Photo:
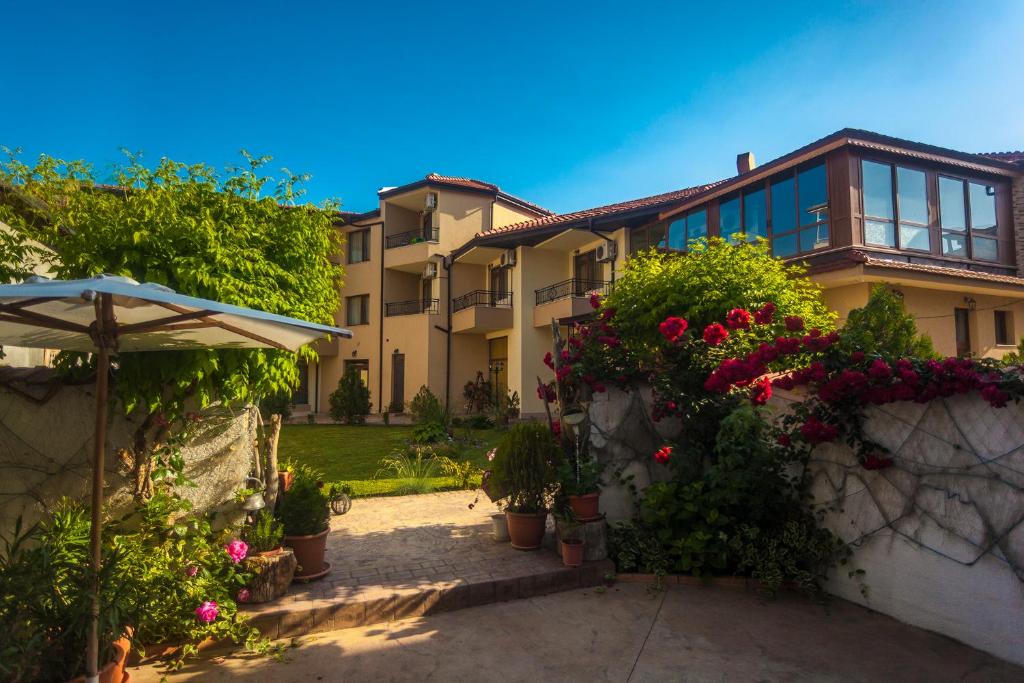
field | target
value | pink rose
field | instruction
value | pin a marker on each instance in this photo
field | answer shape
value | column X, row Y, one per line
column 192, row 571
column 207, row 611
column 243, row 595
column 237, row 550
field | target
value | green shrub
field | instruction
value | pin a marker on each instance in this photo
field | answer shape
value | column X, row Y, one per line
column 305, row 508
column 264, row 534
column 524, row 470
column 704, row 284
column 416, row 466
column 883, row 327
column 428, row 433
column 426, row 408
column 350, row 402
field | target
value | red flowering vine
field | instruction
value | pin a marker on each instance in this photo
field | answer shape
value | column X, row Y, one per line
column 715, row 334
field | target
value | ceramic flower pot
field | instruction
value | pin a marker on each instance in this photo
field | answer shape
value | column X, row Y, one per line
column 526, row 529
column 585, row 507
column 499, row 527
column 572, row 552
column 113, row 671
column 309, row 553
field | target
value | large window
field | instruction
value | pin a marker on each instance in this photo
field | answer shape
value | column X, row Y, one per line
column 799, row 212
column 648, row 237
column 746, row 213
column 895, row 197
column 357, row 309
column 683, row 232
column 359, row 246
column 967, row 215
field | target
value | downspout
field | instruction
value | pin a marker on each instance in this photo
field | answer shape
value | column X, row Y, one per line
column 448, row 265
column 590, row 227
column 380, row 331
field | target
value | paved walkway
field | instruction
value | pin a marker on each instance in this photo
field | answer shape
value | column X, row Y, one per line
column 625, row 634
column 402, row 556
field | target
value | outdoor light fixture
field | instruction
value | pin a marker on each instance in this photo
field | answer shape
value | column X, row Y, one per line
column 971, row 303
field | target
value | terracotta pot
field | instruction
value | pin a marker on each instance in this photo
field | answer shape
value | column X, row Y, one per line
column 572, row 552
column 285, row 479
column 499, row 527
column 309, row 552
column 585, row 507
column 113, row 672
column 526, row 529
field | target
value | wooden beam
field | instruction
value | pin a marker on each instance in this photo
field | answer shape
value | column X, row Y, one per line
column 158, row 323
column 229, row 327
column 32, row 318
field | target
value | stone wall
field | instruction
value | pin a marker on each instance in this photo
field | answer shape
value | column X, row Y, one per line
column 46, row 449
column 940, row 534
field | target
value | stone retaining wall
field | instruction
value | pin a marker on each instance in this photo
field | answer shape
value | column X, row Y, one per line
column 940, row 534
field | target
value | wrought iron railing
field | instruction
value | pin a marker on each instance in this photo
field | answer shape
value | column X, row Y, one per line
column 572, row 287
column 411, row 237
column 482, row 297
column 412, row 307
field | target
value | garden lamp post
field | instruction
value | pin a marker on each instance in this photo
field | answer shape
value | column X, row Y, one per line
column 106, row 315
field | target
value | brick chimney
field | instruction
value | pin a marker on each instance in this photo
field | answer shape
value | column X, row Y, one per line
column 745, row 162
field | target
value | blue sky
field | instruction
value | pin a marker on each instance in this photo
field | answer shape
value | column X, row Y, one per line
column 567, row 104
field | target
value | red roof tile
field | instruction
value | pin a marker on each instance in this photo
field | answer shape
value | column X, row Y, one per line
column 876, row 262
column 607, row 210
column 1015, row 157
column 469, row 184
column 464, row 182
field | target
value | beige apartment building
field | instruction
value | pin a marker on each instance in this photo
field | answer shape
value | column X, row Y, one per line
column 450, row 277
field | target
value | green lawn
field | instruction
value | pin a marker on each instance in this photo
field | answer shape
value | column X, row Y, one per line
column 351, row 455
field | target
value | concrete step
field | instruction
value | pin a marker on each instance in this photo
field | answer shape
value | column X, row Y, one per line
column 347, row 608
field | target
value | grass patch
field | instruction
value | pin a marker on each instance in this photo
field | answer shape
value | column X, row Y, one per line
column 351, row 454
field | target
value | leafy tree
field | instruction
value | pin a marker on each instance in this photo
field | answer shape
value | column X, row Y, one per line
column 350, row 402
column 707, row 282
column 218, row 235
column 883, row 327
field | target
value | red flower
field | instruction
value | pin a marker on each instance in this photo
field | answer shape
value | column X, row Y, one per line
column 663, row 455
column 765, row 315
column 787, row 345
column 609, row 341
column 738, row 319
column 794, row 323
column 879, row 369
column 876, row 462
column 545, row 391
column 672, row 328
column 595, row 300
column 857, row 357
column 760, row 392
column 816, row 431
column 607, row 314
column 549, row 360
column 563, row 372
column 783, row 440
column 715, row 334
column 556, row 428
column 995, row 396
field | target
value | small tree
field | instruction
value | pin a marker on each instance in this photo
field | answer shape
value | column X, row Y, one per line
column 883, row 327
column 350, row 402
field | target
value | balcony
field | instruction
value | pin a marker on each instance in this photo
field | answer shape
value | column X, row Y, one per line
column 412, row 307
column 566, row 300
column 482, row 310
column 403, row 239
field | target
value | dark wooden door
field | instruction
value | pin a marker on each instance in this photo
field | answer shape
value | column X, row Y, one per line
column 585, row 272
column 961, row 319
column 397, row 382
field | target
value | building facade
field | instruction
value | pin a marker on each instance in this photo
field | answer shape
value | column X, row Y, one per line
column 451, row 277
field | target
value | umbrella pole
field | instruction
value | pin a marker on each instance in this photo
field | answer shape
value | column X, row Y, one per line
column 103, row 336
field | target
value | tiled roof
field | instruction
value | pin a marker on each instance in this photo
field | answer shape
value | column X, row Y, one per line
column 607, row 210
column 469, row 184
column 464, row 182
column 877, row 262
column 1015, row 157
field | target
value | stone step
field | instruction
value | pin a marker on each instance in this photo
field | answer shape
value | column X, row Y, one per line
column 291, row 617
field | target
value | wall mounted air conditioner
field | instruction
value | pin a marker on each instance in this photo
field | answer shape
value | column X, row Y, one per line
column 607, row 251
column 430, row 202
column 430, row 270
column 508, row 258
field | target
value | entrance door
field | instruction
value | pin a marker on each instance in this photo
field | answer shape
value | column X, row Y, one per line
column 961, row 320
column 585, row 270
column 497, row 365
column 397, row 382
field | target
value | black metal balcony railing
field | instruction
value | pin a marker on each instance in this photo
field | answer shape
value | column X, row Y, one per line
column 412, row 307
column 482, row 297
column 573, row 287
column 411, row 237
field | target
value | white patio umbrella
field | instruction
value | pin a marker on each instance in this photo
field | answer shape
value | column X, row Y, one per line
column 108, row 314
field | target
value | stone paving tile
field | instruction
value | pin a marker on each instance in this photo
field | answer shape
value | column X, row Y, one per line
column 399, row 557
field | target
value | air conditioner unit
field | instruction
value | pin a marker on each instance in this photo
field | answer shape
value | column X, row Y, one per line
column 430, row 203
column 508, row 258
column 430, row 270
column 607, row 251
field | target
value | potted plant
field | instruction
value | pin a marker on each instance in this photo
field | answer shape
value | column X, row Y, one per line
column 582, row 486
column 273, row 566
column 285, row 477
column 523, row 470
column 568, row 528
column 305, row 513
